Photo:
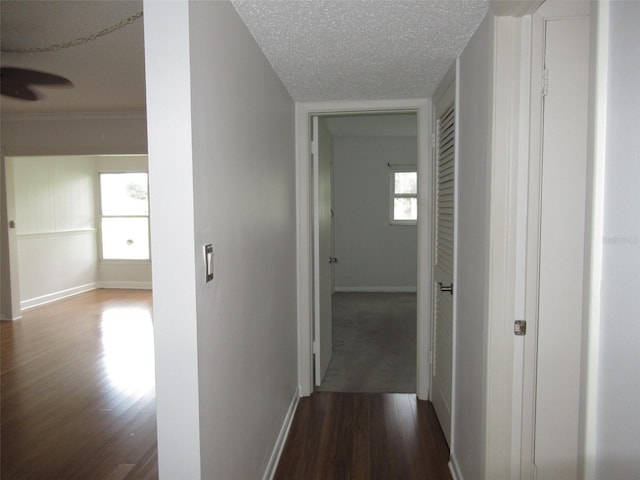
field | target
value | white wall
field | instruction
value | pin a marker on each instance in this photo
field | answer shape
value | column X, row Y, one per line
column 55, row 226
column 372, row 254
column 618, row 424
column 474, row 116
column 168, row 80
column 244, row 204
column 74, row 134
column 221, row 158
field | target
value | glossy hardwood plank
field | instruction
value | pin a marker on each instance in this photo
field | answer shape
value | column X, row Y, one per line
column 78, row 395
column 364, row 436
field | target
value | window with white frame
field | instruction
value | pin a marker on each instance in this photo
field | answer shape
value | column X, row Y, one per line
column 124, row 216
column 403, row 207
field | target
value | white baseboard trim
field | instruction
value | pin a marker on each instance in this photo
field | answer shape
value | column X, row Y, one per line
column 454, row 468
column 270, row 471
column 126, row 285
column 52, row 297
column 5, row 318
column 377, row 289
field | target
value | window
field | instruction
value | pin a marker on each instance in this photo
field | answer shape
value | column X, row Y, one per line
column 124, row 216
column 404, row 197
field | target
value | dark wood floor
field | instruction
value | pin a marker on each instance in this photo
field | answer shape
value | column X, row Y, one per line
column 77, row 401
column 78, row 394
column 364, row 436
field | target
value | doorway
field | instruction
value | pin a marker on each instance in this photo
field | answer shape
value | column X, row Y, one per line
column 365, row 241
column 304, row 113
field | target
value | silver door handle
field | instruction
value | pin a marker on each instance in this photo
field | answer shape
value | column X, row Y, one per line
column 446, row 288
column 333, row 260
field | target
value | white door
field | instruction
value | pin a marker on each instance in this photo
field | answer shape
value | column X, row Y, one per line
column 442, row 332
column 557, row 209
column 321, row 150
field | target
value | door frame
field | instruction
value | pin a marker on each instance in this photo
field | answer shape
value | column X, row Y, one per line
column 12, row 291
column 304, row 227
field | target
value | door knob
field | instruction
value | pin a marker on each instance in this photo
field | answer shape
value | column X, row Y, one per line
column 333, row 260
column 446, row 288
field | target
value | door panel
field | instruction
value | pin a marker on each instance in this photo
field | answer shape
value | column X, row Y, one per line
column 442, row 333
column 323, row 246
column 563, row 189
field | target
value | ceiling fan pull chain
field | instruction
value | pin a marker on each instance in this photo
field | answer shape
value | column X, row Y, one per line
column 77, row 41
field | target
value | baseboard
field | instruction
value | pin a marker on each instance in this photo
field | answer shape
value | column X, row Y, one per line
column 5, row 318
column 52, row 297
column 126, row 285
column 454, row 468
column 377, row 289
column 270, row 471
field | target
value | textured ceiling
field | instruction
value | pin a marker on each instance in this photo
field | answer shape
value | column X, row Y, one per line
column 355, row 50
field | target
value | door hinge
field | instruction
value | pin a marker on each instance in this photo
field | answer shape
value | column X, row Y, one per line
column 520, row 327
column 430, row 357
column 316, row 350
column 545, row 82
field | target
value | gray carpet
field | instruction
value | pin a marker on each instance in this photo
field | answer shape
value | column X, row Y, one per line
column 374, row 343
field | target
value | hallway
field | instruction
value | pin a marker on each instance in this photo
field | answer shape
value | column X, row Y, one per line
column 364, row 436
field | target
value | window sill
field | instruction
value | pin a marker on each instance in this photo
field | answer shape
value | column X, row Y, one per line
column 124, row 262
column 405, row 223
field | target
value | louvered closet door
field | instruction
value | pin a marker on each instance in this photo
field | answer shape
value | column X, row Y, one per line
column 442, row 335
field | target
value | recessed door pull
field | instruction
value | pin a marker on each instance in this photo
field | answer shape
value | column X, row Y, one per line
column 446, row 288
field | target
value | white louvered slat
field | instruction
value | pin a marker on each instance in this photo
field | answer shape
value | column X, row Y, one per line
column 445, row 190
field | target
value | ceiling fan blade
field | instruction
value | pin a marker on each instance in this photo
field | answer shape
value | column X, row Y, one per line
column 15, row 82
column 21, row 92
column 32, row 77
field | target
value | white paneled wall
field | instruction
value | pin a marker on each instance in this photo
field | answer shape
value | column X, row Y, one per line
column 54, row 194
column 56, row 265
column 55, row 225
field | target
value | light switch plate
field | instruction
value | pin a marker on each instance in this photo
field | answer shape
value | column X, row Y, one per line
column 208, row 262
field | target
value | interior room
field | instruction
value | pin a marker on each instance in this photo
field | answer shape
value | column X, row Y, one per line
column 527, row 238
column 374, row 275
